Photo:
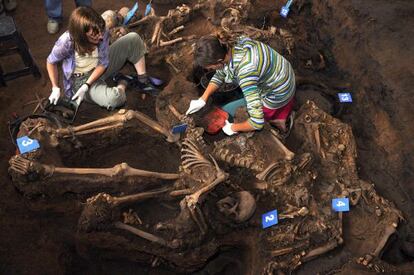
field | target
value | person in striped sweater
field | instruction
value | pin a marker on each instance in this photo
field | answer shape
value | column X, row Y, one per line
column 266, row 78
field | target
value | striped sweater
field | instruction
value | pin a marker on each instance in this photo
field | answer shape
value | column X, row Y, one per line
column 265, row 77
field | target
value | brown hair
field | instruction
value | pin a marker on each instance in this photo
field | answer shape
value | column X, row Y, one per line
column 209, row 50
column 82, row 20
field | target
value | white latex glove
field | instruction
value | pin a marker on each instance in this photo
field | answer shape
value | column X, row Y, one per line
column 80, row 94
column 195, row 106
column 54, row 96
column 227, row 129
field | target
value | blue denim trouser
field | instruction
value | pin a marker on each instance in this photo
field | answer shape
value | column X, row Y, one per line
column 54, row 7
column 232, row 106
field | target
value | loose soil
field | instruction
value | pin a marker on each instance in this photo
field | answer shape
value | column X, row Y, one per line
column 367, row 50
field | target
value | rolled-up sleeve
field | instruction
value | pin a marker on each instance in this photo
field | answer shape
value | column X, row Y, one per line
column 103, row 51
column 61, row 49
column 218, row 78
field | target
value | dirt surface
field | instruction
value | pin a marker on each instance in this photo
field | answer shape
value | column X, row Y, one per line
column 367, row 50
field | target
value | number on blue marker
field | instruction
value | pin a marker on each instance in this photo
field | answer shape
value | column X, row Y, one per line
column 27, row 144
column 180, row 128
column 269, row 219
column 284, row 11
column 340, row 204
column 345, row 97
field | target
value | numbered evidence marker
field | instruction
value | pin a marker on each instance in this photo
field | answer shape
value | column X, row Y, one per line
column 345, row 97
column 27, row 144
column 131, row 13
column 148, row 8
column 284, row 11
column 340, row 204
column 269, row 219
column 180, row 128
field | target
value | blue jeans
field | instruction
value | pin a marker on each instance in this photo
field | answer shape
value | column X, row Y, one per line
column 232, row 106
column 54, row 7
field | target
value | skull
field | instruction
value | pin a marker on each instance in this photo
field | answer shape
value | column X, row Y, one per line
column 238, row 207
column 110, row 18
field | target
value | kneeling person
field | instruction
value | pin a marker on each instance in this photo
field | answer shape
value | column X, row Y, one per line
column 265, row 77
column 87, row 60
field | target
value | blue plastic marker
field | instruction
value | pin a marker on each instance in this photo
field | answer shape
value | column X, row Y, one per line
column 26, row 144
column 180, row 128
column 284, row 11
column 340, row 204
column 131, row 13
column 269, row 219
column 156, row 81
column 345, row 97
column 148, row 8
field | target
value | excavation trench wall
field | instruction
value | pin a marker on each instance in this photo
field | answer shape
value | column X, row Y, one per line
column 370, row 42
column 370, row 46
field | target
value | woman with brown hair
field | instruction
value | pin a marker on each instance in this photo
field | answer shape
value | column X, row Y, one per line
column 87, row 60
column 265, row 77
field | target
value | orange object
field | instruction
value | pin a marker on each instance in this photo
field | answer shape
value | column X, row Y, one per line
column 215, row 120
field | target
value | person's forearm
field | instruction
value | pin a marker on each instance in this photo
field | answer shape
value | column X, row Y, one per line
column 52, row 71
column 97, row 73
column 211, row 88
column 242, row 127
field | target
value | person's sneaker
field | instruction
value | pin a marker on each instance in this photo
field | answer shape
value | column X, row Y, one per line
column 52, row 26
column 134, row 81
column 124, row 77
column 148, row 87
column 10, row 5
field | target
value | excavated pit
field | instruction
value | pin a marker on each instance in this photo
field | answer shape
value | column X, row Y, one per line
column 343, row 33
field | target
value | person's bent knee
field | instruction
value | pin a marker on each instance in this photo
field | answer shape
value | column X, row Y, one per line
column 135, row 37
column 116, row 98
column 136, row 47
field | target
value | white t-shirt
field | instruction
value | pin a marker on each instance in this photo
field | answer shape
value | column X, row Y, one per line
column 86, row 62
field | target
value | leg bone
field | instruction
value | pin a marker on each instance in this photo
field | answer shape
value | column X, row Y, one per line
column 321, row 250
column 146, row 235
column 198, row 218
column 389, row 230
column 118, row 120
column 293, row 212
column 139, row 197
column 24, row 167
column 289, row 155
column 171, row 42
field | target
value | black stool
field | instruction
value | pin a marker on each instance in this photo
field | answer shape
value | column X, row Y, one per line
column 10, row 35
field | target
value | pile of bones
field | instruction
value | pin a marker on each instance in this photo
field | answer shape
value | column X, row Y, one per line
column 220, row 189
